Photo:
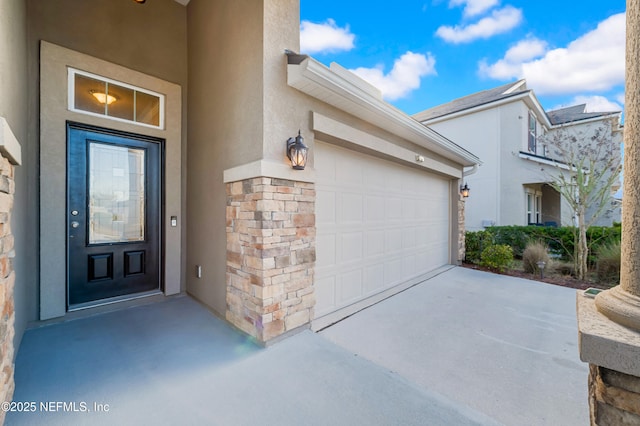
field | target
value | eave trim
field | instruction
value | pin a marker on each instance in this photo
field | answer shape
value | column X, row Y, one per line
column 316, row 80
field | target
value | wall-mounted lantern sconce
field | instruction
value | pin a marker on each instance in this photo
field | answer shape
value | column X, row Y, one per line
column 297, row 152
column 464, row 191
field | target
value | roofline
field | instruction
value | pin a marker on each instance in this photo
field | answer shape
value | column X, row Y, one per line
column 528, row 95
column 338, row 87
column 593, row 119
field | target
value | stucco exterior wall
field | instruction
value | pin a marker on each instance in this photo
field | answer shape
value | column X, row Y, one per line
column 479, row 133
column 226, row 106
column 13, row 107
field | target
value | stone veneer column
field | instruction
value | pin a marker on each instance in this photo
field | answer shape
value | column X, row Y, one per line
column 609, row 327
column 461, row 231
column 270, row 256
column 7, row 281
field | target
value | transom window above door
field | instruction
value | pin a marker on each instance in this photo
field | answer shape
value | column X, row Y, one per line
column 96, row 95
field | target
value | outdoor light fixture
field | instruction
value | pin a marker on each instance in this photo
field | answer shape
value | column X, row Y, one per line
column 297, row 152
column 464, row 191
column 541, row 264
column 103, row 98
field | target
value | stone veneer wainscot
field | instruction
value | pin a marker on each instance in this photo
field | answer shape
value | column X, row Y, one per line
column 270, row 256
column 7, row 281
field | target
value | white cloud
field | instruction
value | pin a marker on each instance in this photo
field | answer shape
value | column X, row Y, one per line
column 500, row 21
column 620, row 98
column 403, row 78
column 594, row 62
column 511, row 65
column 324, row 37
column 474, row 7
column 597, row 103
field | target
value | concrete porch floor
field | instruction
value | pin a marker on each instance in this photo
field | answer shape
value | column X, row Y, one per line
column 463, row 348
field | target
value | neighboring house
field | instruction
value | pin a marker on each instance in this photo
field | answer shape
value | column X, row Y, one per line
column 144, row 155
column 594, row 127
column 507, row 127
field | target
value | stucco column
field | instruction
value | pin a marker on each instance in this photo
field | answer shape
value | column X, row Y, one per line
column 622, row 303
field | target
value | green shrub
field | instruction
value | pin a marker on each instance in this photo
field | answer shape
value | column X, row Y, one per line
column 559, row 240
column 475, row 242
column 599, row 236
column 536, row 251
column 498, row 257
column 516, row 237
column 608, row 263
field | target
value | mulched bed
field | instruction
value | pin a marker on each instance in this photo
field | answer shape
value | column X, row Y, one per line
column 565, row 281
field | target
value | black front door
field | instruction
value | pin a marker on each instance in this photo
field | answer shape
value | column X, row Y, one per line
column 113, row 214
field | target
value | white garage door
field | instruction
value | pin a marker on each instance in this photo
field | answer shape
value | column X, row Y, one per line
column 380, row 225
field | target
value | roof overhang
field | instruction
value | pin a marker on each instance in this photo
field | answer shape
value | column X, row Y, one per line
column 345, row 91
column 547, row 161
column 528, row 97
column 610, row 116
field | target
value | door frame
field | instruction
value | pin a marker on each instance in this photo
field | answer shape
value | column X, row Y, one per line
column 161, row 207
column 54, row 113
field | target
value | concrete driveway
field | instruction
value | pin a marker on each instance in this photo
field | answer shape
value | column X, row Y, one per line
column 464, row 348
column 504, row 346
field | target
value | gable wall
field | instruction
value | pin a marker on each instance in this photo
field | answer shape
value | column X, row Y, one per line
column 479, row 133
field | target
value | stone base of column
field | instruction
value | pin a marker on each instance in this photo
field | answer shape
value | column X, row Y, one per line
column 614, row 397
column 613, row 353
column 270, row 256
column 620, row 306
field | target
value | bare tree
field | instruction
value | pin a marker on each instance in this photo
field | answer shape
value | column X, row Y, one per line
column 588, row 166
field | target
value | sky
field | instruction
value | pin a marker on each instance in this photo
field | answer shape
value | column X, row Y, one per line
column 423, row 53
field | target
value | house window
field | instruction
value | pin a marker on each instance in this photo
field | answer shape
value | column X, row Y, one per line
column 532, row 133
column 95, row 95
column 534, row 206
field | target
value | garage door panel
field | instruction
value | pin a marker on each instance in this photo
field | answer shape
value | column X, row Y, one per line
column 393, row 272
column 352, row 208
column 385, row 224
column 325, row 292
column 350, row 247
column 374, row 243
column 325, row 251
column 374, row 278
column 409, row 238
column 393, row 209
column 393, row 241
column 375, row 211
column 325, row 207
column 350, row 286
column 349, row 171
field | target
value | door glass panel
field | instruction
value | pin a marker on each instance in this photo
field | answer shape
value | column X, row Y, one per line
column 116, row 194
